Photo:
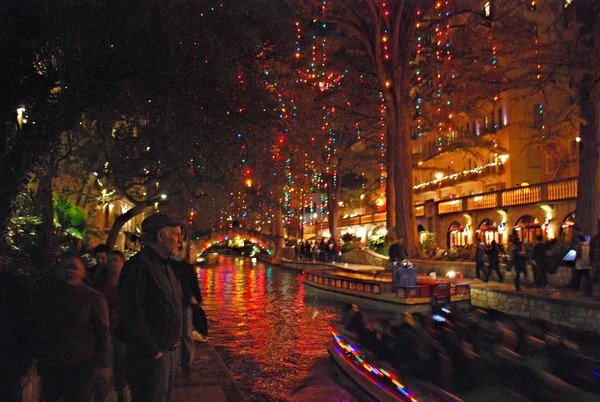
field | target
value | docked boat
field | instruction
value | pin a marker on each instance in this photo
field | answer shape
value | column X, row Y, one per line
column 377, row 379
column 377, row 286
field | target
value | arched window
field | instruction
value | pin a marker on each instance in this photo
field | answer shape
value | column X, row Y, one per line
column 457, row 236
column 488, row 231
column 527, row 229
column 567, row 227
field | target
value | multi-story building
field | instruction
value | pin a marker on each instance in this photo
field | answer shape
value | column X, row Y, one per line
column 510, row 168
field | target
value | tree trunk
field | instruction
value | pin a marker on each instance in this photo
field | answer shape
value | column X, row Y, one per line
column 334, row 211
column 277, row 226
column 44, row 207
column 587, row 207
column 390, row 182
column 406, row 225
column 333, row 195
column 400, row 207
column 121, row 220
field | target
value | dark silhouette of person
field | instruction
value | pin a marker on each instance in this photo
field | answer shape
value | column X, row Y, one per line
column 519, row 258
column 481, row 259
column 355, row 321
column 15, row 333
column 107, row 283
column 100, row 258
column 191, row 300
column 494, row 262
column 73, row 335
column 397, row 251
column 539, row 254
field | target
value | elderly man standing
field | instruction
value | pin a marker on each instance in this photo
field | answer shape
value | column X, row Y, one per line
column 150, row 310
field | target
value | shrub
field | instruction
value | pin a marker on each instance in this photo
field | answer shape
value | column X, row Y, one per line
column 348, row 242
column 429, row 245
column 377, row 244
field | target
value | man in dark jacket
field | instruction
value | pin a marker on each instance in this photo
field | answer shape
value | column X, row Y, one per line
column 397, row 251
column 150, row 310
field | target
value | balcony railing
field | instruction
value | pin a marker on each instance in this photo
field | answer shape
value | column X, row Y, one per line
column 552, row 191
column 542, row 192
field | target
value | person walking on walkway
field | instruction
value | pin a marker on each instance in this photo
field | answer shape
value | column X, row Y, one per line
column 481, row 259
column 150, row 311
column 539, row 255
column 191, row 299
column 583, row 265
column 519, row 259
column 73, row 335
column 494, row 262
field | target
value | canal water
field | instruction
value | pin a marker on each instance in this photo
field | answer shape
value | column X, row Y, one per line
column 270, row 333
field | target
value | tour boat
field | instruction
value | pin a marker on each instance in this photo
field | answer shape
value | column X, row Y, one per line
column 377, row 379
column 377, row 286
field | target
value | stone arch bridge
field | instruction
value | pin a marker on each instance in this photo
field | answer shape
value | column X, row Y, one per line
column 269, row 243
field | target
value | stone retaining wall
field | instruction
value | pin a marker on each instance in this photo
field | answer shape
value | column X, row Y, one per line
column 577, row 315
column 365, row 257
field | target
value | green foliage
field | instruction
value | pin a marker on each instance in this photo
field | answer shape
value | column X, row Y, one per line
column 429, row 245
column 349, row 242
column 70, row 222
column 466, row 253
column 377, row 244
column 22, row 230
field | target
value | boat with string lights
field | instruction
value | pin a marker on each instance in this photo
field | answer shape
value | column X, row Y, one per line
column 377, row 287
column 377, row 379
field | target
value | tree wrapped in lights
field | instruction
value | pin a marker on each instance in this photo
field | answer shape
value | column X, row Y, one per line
column 385, row 33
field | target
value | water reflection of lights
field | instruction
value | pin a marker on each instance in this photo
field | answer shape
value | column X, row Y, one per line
column 259, row 321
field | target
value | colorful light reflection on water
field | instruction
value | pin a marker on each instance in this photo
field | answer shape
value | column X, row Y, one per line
column 270, row 336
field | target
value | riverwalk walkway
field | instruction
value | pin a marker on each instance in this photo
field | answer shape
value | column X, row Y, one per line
column 210, row 379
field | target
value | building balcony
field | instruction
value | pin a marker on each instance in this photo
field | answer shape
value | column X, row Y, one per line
column 532, row 194
column 524, row 195
column 461, row 178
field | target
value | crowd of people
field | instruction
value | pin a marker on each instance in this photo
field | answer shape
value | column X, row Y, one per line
column 540, row 259
column 323, row 251
column 470, row 352
column 115, row 324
